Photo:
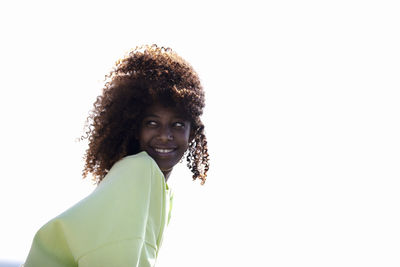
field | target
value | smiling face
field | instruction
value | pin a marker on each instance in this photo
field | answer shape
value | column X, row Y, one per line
column 164, row 134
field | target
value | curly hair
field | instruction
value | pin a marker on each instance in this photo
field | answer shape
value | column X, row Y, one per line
column 144, row 76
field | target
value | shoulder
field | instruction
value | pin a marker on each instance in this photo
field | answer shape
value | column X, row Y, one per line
column 129, row 181
column 138, row 161
column 138, row 166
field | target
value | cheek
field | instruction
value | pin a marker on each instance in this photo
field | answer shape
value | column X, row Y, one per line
column 186, row 140
column 143, row 138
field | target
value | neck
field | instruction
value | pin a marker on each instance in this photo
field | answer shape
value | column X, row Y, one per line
column 166, row 174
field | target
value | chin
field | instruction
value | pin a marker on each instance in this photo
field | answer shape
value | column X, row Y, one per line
column 165, row 168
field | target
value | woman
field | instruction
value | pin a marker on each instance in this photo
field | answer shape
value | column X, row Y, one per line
column 147, row 118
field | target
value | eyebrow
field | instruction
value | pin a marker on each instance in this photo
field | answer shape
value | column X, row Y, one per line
column 175, row 117
column 150, row 115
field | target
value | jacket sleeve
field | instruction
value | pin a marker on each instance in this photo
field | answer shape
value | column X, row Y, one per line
column 133, row 222
column 117, row 225
column 130, row 252
column 50, row 248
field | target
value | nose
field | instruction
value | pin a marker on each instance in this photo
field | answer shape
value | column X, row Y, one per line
column 165, row 134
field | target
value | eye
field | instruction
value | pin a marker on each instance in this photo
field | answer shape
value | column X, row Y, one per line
column 179, row 124
column 151, row 123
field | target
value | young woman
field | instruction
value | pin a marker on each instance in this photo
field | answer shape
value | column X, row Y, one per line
column 142, row 125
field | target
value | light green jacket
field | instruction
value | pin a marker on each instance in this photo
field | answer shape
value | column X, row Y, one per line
column 120, row 224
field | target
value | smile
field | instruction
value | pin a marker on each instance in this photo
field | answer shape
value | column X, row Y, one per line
column 164, row 150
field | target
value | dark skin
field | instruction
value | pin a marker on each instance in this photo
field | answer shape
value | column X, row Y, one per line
column 165, row 135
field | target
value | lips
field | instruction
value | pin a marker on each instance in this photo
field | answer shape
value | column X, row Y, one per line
column 164, row 151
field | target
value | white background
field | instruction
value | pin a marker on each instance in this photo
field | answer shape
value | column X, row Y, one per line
column 302, row 118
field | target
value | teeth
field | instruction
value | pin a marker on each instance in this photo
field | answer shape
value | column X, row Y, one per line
column 162, row 150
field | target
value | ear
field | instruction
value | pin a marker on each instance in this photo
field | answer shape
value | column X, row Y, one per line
column 192, row 134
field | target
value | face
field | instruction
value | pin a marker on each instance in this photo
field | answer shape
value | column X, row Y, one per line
column 164, row 135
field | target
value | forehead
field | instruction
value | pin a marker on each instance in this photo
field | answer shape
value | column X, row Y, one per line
column 159, row 110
